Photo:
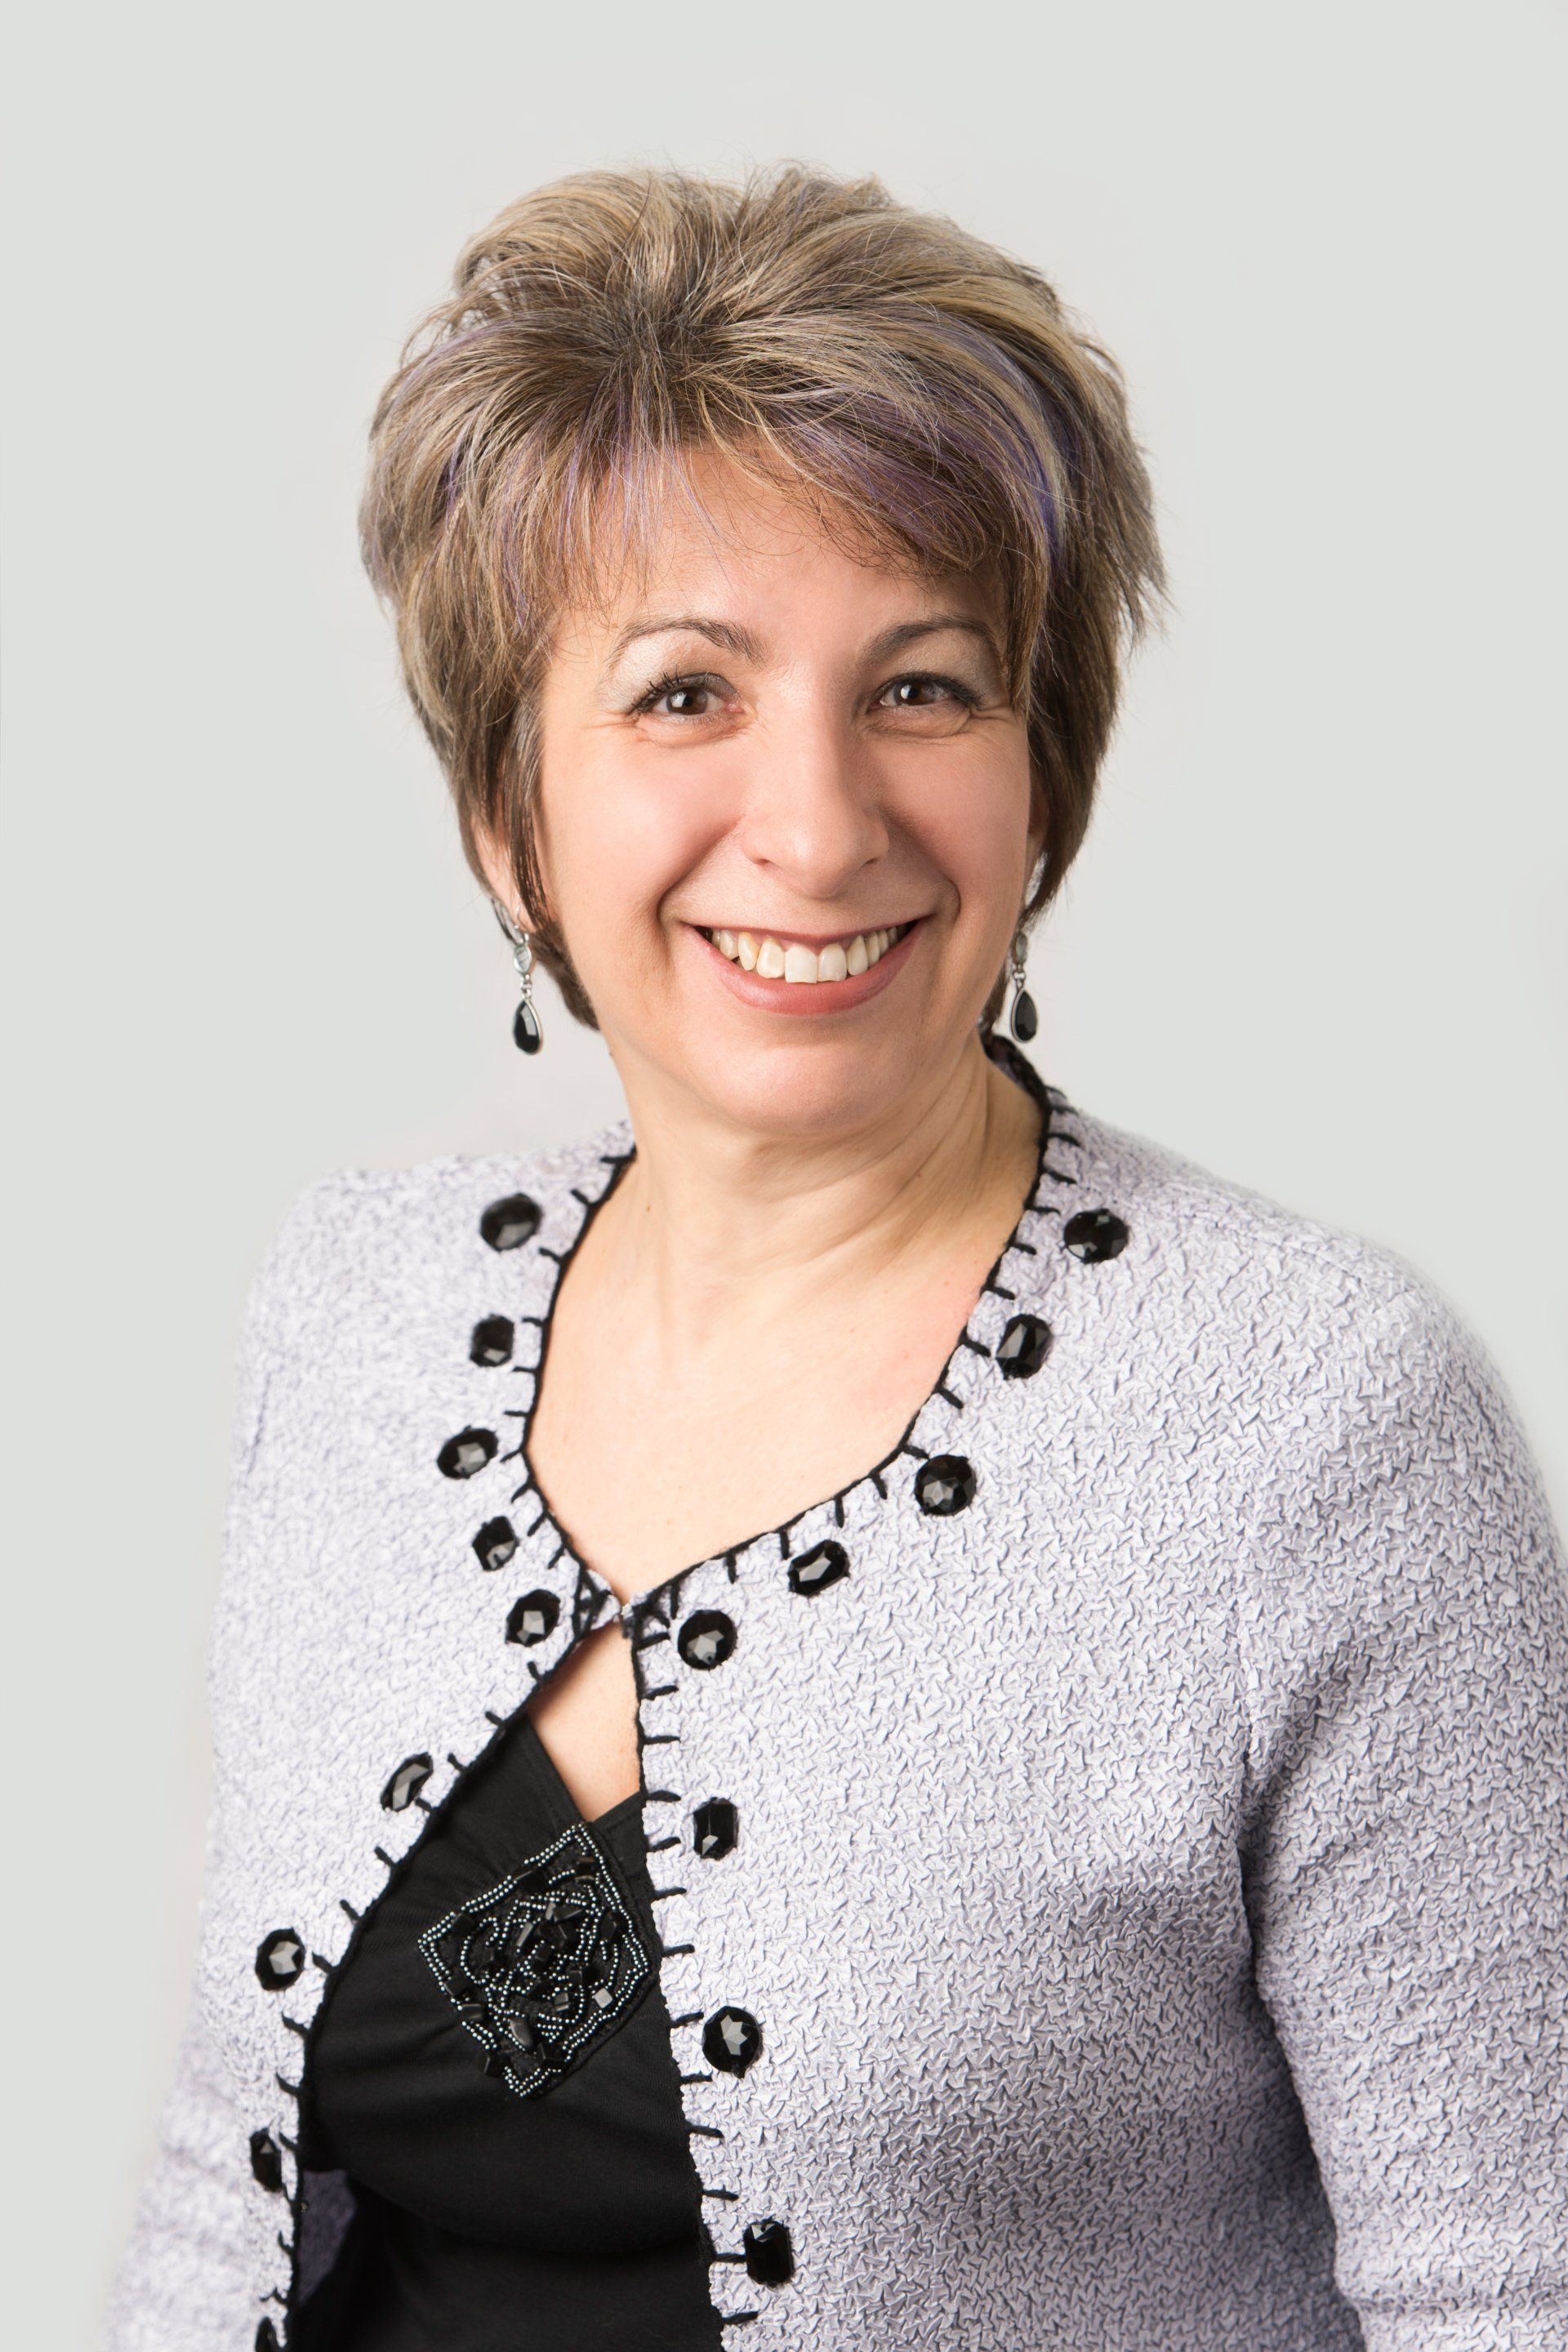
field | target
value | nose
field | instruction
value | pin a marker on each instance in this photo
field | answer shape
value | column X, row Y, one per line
column 813, row 813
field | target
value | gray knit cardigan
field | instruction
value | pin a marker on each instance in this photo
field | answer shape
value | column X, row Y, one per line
column 1150, row 1898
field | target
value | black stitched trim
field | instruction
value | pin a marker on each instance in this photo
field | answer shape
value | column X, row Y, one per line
column 1052, row 1103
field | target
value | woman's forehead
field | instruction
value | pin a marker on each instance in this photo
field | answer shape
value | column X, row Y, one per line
column 699, row 532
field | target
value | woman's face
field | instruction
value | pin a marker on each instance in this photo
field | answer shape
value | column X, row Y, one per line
column 784, row 818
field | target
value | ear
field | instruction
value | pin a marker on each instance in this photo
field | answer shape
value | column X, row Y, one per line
column 1037, row 827
column 499, row 877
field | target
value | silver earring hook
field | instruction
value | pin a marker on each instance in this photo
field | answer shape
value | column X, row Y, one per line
column 527, row 1035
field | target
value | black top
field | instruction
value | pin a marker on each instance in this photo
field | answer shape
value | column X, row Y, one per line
column 492, row 2067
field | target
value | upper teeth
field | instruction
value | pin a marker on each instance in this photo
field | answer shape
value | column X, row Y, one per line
column 759, row 951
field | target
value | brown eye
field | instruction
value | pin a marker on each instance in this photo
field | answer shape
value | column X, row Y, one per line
column 923, row 691
column 683, row 697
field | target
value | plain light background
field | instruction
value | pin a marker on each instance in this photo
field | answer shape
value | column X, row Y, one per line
column 1315, row 941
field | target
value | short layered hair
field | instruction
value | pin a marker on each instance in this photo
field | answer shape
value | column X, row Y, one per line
column 928, row 396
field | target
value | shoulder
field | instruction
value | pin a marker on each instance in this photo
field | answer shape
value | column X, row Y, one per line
column 1214, row 1250
column 363, row 1249
column 1280, row 1328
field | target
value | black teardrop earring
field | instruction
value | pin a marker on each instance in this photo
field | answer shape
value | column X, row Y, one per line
column 526, row 1034
column 1025, row 1020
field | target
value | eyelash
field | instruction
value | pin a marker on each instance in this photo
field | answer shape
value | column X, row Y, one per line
column 678, row 680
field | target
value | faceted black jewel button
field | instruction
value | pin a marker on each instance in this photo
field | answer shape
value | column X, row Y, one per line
column 533, row 1618
column 506, row 1224
column 819, row 1568
column 944, row 1485
column 707, row 1638
column 731, row 2040
column 492, row 1343
column 1095, row 1234
column 770, row 2256
column 714, row 1829
column 266, row 2160
column 280, row 1957
column 267, row 2337
column 407, row 1782
column 1023, row 1347
column 495, row 1543
column 467, row 1451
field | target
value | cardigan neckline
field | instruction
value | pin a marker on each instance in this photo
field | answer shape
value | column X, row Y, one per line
column 601, row 1604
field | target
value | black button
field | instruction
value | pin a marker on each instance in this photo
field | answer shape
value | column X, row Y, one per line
column 944, row 1485
column 492, row 1343
column 714, row 1829
column 267, row 2337
column 1023, row 1347
column 267, row 2159
column 1095, row 1234
column 770, row 2256
column 707, row 1638
column 495, row 1543
column 533, row 1618
column 407, row 1782
column 506, row 1224
column 731, row 2040
column 462, row 1455
column 819, row 1568
column 280, row 1957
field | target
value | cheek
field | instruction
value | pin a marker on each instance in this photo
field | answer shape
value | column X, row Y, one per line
column 976, row 833
column 615, row 845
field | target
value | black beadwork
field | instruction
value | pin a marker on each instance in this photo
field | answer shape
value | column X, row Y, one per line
column 815, row 1570
column 944, row 1485
column 1095, row 1234
column 770, row 2254
column 407, row 1782
column 731, row 2040
column 507, row 1223
column 1023, row 1347
column 280, row 1959
column 533, row 1618
column 714, row 1829
column 496, row 1543
column 537, row 1966
column 492, row 1339
column 267, row 2159
column 706, row 1638
column 463, row 1455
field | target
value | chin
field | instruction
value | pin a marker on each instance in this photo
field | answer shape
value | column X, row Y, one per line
column 812, row 1087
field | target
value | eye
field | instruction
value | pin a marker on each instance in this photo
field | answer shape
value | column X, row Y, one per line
column 919, row 683
column 687, row 693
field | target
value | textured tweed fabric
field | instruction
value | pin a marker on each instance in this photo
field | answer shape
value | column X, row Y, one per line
column 1150, row 1892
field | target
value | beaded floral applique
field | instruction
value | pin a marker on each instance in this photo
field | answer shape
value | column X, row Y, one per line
column 538, row 1966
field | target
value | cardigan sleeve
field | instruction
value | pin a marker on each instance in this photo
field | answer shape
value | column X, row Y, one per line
column 1404, row 1625
column 183, row 2282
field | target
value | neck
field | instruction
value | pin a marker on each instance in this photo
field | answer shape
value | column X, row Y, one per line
column 718, row 1228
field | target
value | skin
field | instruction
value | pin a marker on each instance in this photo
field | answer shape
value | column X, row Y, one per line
column 823, row 1175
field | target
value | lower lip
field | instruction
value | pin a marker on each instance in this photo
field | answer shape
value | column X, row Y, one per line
column 809, row 996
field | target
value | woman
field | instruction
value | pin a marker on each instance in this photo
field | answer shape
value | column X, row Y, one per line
column 864, row 1706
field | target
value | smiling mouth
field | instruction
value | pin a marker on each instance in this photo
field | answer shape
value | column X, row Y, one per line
column 783, row 958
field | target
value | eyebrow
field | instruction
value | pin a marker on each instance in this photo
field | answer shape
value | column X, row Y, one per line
column 735, row 639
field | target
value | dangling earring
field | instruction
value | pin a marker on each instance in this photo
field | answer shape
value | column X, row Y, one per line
column 1025, row 1020
column 526, row 1034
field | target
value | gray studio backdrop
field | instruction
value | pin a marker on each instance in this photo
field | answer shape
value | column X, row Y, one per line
column 1315, row 941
